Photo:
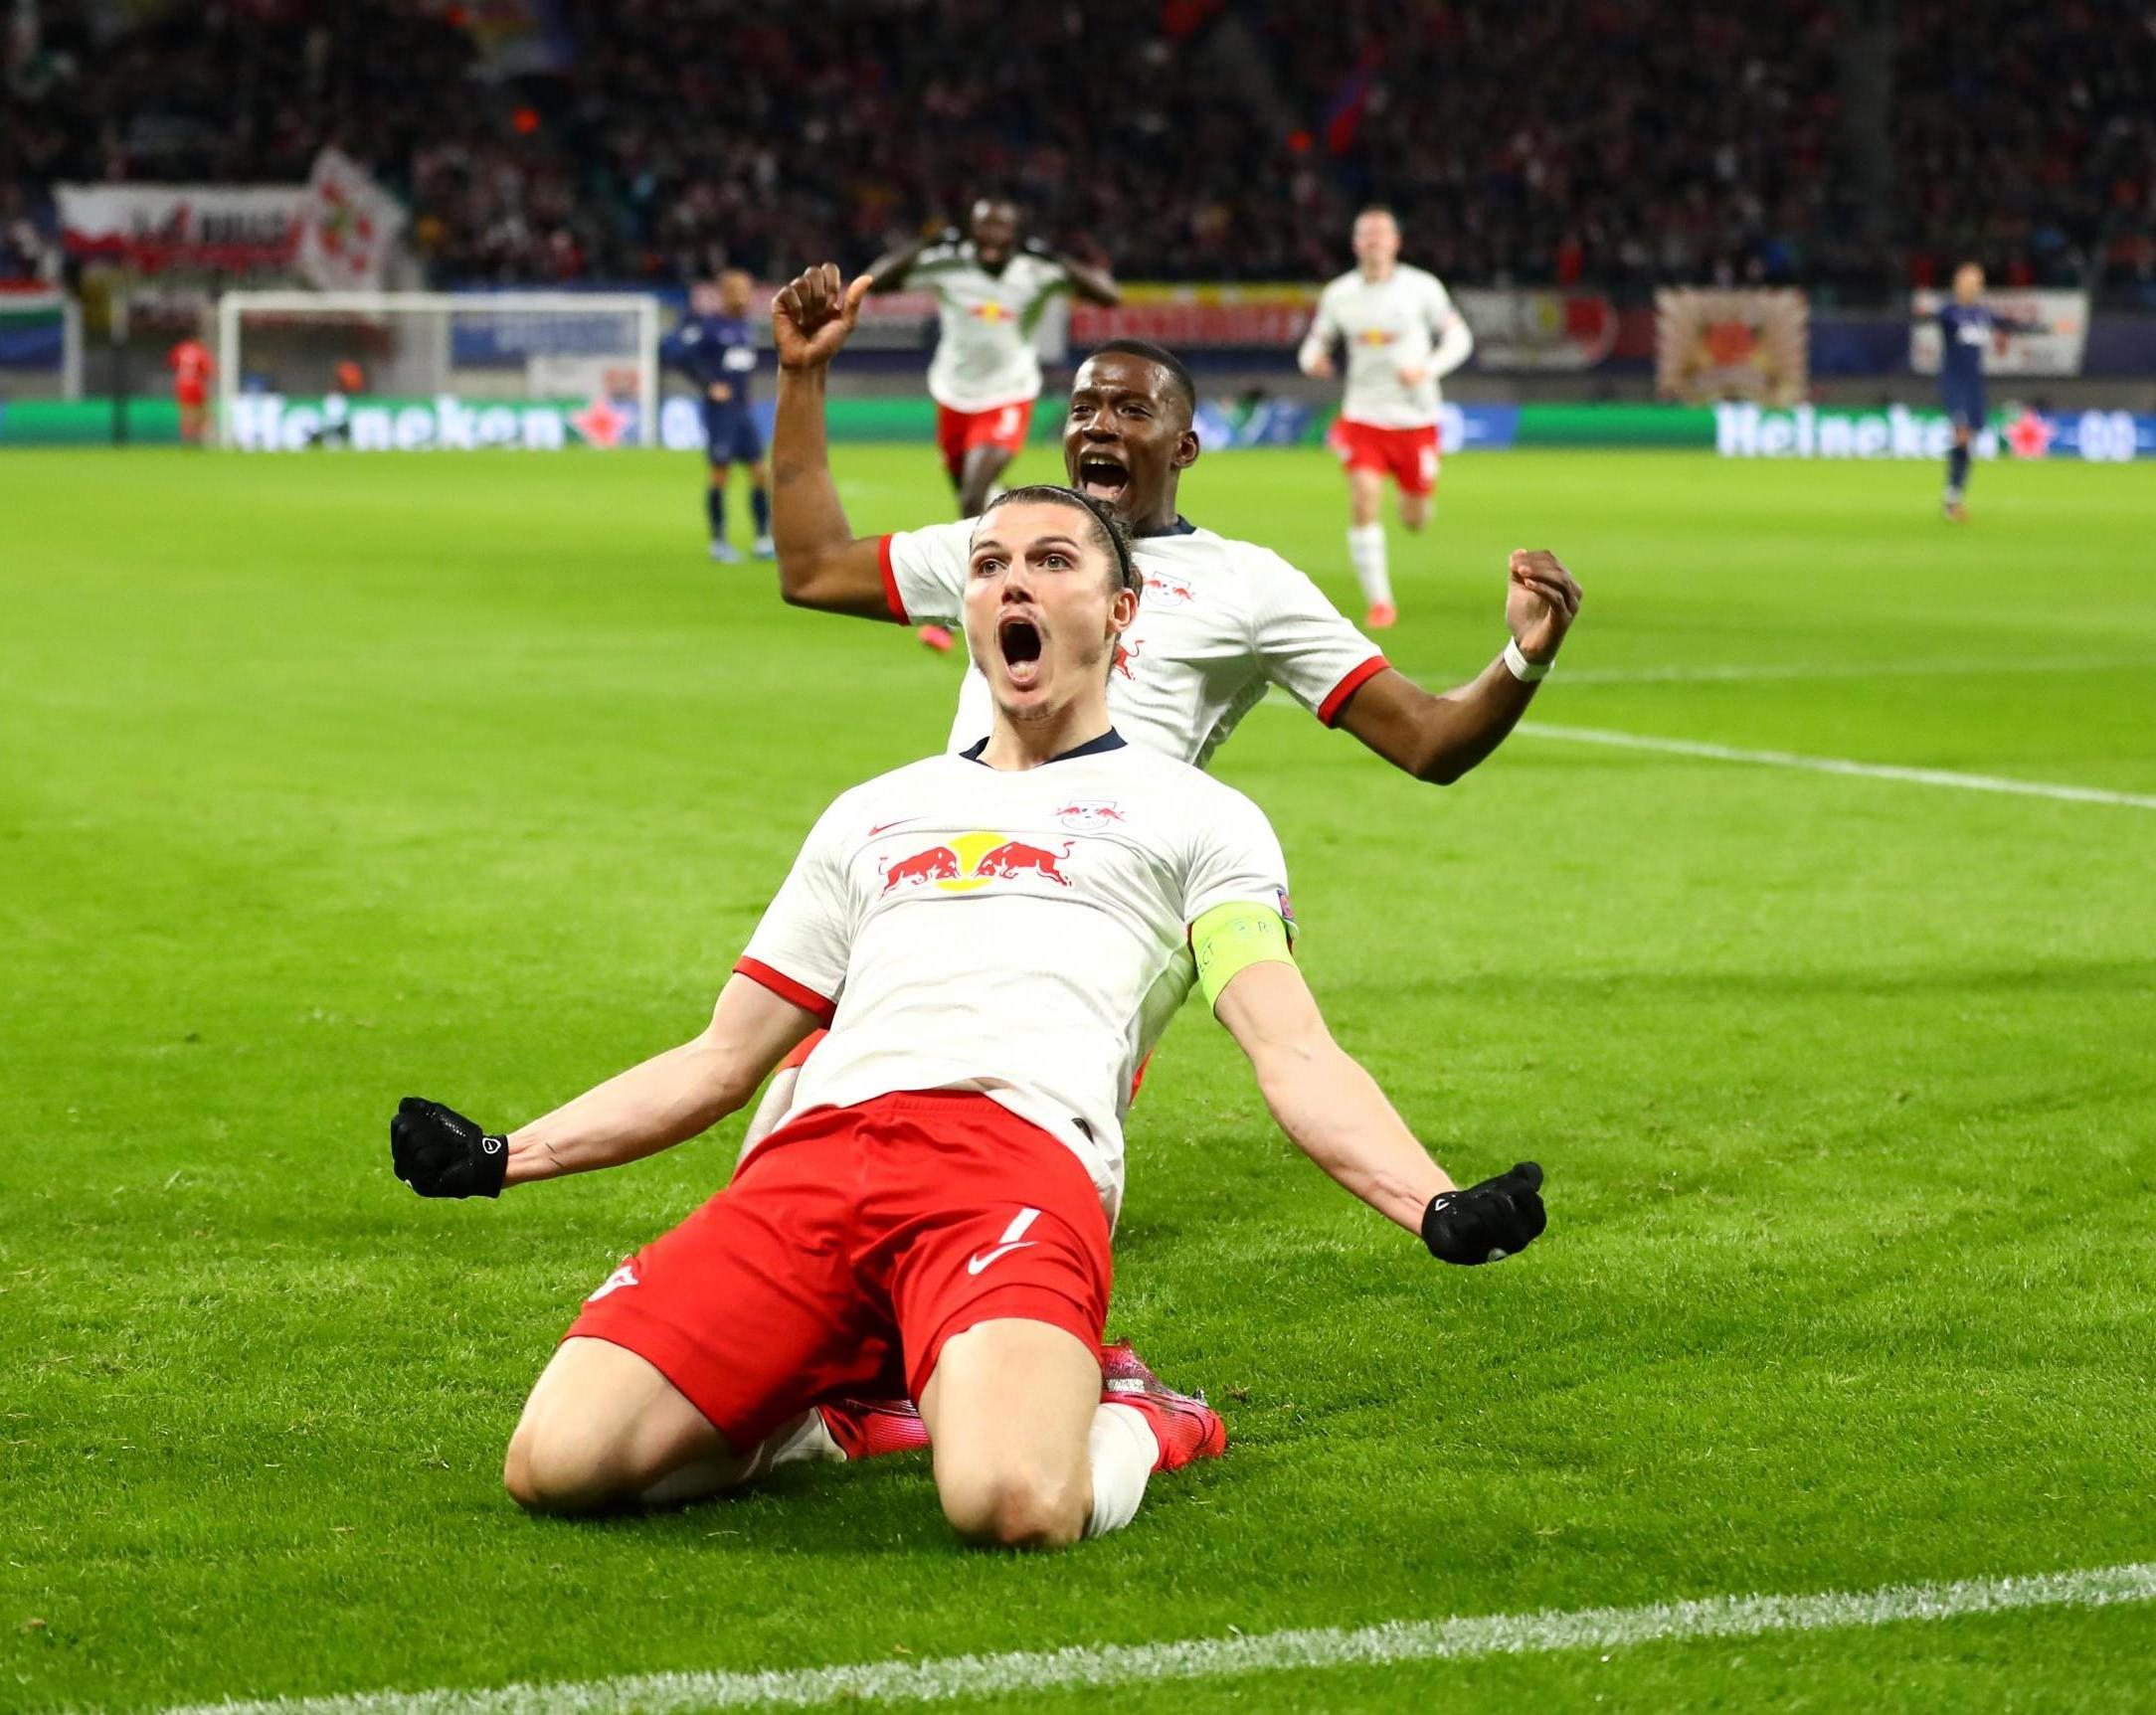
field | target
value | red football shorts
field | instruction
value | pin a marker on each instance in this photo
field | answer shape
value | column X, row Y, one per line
column 958, row 432
column 849, row 1248
column 1407, row 455
column 190, row 394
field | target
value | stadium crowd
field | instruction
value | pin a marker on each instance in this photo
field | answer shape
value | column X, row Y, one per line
column 1616, row 143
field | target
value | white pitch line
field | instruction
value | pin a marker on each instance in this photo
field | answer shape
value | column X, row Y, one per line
column 1746, row 672
column 941, row 1678
column 1843, row 765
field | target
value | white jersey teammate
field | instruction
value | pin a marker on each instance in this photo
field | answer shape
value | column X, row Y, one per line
column 990, row 292
column 1402, row 335
column 980, row 932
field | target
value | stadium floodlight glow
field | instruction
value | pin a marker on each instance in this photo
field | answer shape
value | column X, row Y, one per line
column 380, row 370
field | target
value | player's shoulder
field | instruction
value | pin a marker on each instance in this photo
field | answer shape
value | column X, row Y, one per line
column 1197, row 803
column 869, row 801
column 1260, row 569
column 944, row 257
column 1421, row 280
column 1342, row 285
column 953, row 536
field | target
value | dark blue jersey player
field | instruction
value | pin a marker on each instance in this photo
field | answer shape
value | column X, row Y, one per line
column 1966, row 329
column 715, row 348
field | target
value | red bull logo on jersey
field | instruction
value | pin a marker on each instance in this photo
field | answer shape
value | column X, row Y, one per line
column 1091, row 816
column 971, row 861
column 989, row 311
column 1126, row 653
column 1375, row 336
column 1167, row 591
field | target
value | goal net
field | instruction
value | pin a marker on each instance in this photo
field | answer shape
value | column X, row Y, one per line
column 415, row 371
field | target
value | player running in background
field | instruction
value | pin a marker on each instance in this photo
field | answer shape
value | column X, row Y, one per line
column 990, row 292
column 715, row 347
column 191, row 367
column 1966, row 329
column 1402, row 335
column 940, row 1215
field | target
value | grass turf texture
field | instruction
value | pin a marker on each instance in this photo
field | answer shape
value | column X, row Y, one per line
column 332, row 778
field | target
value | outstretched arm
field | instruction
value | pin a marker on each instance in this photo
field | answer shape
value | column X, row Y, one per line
column 1440, row 736
column 889, row 271
column 668, row 1099
column 1330, row 1108
column 1095, row 285
column 1335, row 1114
column 822, row 562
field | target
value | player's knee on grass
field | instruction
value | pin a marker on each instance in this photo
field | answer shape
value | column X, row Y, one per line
column 1018, row 1503
column 602, row 1426
column 1009, row 1409
column 1414, row 510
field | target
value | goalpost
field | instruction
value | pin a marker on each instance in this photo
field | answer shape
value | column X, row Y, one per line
column 407, row 371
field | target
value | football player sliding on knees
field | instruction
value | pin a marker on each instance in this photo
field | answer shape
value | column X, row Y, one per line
column 982, row 937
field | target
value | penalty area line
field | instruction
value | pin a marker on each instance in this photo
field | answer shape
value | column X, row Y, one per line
column 939, row 1678
column 1841, row 765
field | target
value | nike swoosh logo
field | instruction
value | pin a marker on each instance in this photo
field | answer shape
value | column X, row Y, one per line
column 977, row 1262
column 888, row 826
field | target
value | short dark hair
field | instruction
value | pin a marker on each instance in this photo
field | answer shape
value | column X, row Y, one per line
column 1161, row 357
column 1108, row 532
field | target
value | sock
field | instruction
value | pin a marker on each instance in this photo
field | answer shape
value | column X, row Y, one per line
column 715, row 510
column 772, row 1111
column 760, row 504
column 1367, row 553
column 1957, row 471
column 805, row 1438
column 1123, row 1453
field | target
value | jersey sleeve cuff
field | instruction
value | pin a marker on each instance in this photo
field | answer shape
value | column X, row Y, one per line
column 1337, row 698
column 787, row 989
column 891, row 595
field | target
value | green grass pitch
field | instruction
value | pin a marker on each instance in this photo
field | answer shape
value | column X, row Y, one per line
column 325, row 779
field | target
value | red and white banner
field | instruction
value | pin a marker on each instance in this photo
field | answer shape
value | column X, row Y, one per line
column 347, row 226
column 229, row 228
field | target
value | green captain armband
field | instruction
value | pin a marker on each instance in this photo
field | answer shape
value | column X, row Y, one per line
column 1232, row 938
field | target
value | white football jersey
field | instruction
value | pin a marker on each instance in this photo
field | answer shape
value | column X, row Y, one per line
column 1022, row 933
column 1217, row 622
column 984, row 357
column 1386, row 325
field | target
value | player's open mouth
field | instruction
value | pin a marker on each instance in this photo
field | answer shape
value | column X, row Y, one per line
column 1102, row 477
column 1019, row 641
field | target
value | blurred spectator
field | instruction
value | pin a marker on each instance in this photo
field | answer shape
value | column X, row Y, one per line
column 1598, row 143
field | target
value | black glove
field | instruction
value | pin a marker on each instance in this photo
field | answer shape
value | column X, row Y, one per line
column 1487, row 1222
column 440, row 1154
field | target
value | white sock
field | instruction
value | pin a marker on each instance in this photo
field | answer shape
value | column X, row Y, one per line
column 1367, row 553
column 805, row 1438
column 1123, row 1451
column 772, row 1111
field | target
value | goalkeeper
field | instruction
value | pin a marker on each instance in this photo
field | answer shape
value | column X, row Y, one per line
column 936, row 1217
